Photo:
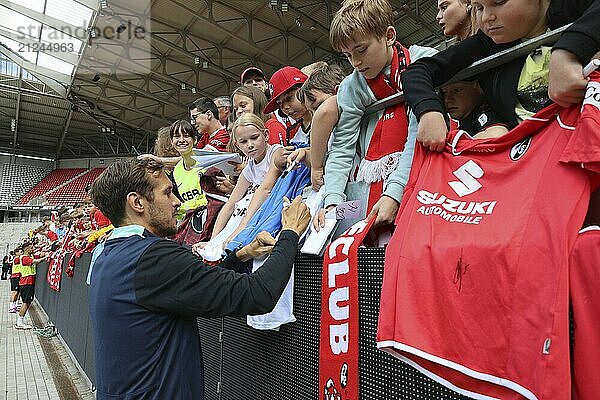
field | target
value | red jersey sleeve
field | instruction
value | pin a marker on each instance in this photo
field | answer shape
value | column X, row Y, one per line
column 584, row 143
column 26, row 260
column 276, row 131
column 219, row 140
column 202, row 142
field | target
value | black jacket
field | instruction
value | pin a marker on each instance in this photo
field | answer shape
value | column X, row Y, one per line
column 500, row 85
column 144, row 296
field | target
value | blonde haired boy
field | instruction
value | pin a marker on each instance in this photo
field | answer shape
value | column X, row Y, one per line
column 384, row 141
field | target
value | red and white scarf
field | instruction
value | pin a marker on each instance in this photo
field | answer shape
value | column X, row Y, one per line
column 389, row 136
column 55, row 261
column 338, row 349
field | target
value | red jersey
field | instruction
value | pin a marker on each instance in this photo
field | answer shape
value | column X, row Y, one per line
column 475, row 286
column 218, row 140
column 276, row 131
column 584, row 280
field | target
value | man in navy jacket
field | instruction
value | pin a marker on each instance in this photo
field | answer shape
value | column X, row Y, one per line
column 146, row 291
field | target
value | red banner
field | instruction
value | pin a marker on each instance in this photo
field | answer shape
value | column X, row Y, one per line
column 338, row 350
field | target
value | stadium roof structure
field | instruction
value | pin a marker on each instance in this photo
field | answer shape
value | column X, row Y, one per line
column 90, row 78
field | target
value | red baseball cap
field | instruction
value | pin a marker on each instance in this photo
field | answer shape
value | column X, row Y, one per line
column 282, row 81
column 256, row 70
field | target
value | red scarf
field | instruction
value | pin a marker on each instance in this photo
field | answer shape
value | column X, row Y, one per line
column 338, row 349
column 55, row 262
column 389, row 136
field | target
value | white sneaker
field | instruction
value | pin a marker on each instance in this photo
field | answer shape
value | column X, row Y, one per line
column 22, row 326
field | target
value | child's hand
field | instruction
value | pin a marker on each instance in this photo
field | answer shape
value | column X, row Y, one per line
column 149, row 157
column 237, row 167
column 319, row 220
column 566, row 84
column 197, row 247
column 226, row 241
column 432, row 131
column 299, row 155
column 316, row 178
column 385, row 210
column 224, row 185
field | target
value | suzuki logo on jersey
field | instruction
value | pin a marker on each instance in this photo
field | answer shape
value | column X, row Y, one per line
column 466, row 212
column 592, row 94
column 519, row 149
column 467, row 174
column 453, row 210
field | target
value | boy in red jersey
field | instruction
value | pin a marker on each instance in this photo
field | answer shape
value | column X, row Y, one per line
column 27, row 283
column 14, row 281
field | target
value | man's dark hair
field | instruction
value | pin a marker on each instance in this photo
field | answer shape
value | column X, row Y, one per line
column 184, row 126
column 204, row 104
column 109, row 191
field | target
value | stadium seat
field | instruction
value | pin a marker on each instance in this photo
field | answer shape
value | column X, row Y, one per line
column 50, row 182
column 17, row 180
column 73, row 191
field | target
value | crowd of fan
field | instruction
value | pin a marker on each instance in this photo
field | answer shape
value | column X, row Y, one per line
column 307, row 128
column 67, row 233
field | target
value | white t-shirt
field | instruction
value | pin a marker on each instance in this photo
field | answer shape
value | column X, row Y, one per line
column 255, row 172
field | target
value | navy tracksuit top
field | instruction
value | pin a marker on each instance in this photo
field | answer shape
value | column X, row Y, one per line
column 139, row 354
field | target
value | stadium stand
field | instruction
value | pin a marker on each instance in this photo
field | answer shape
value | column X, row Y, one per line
column 12, row 233
column 51, row 182
column 17, row 180
column 73, row 191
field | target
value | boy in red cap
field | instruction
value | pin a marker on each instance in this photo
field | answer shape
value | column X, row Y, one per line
column 283, row 86
column 254, row 76
column 384, row 141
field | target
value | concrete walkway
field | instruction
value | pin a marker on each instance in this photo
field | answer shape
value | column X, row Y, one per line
column 25, row 372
